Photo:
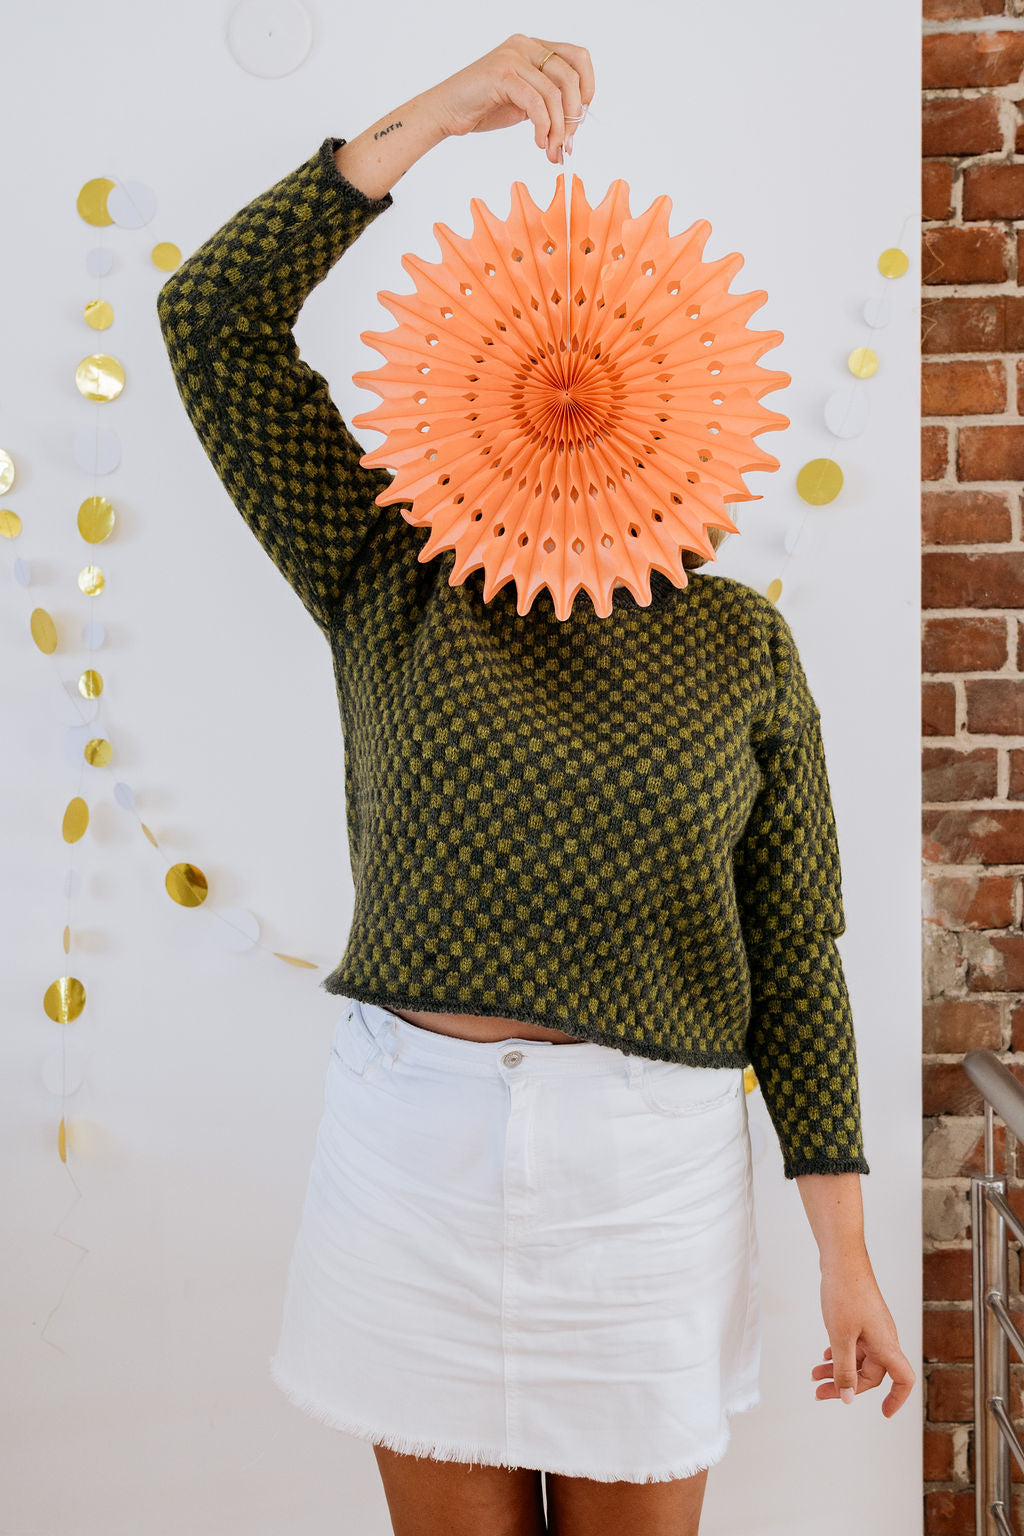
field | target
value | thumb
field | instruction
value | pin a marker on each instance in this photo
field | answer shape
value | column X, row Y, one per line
column 844, row 1368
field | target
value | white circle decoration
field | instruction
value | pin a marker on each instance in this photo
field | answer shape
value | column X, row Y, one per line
column 847, row 411
column 131, row 204
column 99, row 261
column 269, row 38
column 64, row 1068
column 878, row 312
column 97, row 450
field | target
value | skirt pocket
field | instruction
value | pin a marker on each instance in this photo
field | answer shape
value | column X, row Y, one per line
column 677, row 1088
column 355, row 1046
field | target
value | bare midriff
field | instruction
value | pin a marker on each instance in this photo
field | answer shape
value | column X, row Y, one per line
column 472, row 1026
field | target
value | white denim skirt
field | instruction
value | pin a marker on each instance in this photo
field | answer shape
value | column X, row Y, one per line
column 525, row 1254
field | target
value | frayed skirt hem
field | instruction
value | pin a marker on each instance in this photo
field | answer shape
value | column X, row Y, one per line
column 483, row 1456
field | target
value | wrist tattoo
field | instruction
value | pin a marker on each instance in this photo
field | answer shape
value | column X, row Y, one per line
column 388, row 129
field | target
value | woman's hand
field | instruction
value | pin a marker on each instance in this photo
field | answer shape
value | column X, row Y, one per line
column 863, row 1344
column 506, row 86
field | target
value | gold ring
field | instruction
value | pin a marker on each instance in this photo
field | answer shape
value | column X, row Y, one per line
column 545, row 58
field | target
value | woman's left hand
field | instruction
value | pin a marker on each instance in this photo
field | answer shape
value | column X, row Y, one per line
column 863, row 1345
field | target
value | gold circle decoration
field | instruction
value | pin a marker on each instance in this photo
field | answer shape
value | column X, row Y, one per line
column 92, row 200
column 862, row 362
column 10, row 523
column 6, row 470
column 91, row 580
column 98, row 752
column 819, row 482
column 44, row 631
column 99, row 314
column 90, row 684
column 149, row 834
column 96, row 518
column 64, row 999
column 76, row 820
column 893, row 262
column 166, row 256
column 99, row 377
column 186, row 885
column 774, row 590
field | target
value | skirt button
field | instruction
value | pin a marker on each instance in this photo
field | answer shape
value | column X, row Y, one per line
column 512, row 1058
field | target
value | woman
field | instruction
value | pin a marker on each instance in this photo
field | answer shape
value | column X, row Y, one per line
column 596, row 875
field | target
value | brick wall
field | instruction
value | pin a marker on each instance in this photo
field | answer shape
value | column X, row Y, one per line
column 972, row 394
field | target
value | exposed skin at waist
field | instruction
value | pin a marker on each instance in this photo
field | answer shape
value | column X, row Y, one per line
column 471, row 1026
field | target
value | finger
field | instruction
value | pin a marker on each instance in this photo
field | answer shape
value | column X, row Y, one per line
column 568, row 82
column 903, row 1379
column 553, row 98
column 844, row 1368
column 530, row 101
column 579, row 58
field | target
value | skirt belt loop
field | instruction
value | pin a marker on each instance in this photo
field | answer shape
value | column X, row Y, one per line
column 636, row 1070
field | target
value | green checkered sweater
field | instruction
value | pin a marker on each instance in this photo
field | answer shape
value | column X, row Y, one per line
column 617, row 827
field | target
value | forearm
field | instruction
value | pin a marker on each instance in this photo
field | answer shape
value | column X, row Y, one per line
column 375, row 159
column 835, row 1211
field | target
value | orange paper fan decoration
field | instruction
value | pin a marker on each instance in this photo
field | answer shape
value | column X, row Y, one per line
column 570, row 412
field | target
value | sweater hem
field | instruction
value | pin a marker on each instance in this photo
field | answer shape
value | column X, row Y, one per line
column 828, row 1165
column 334, row 984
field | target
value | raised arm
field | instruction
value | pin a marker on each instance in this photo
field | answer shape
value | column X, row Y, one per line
column 265, row 418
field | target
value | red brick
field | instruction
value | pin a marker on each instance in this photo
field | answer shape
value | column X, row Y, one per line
column 1019, row 626
column 995, row 706
column 938, row 709
column 974, row 254
column 961, row 125
column 949, row 774
column 963, row 644
column 950, row 1393
column 984, row 835
column 949, row 1512
column 937, row 1459
column 961, row 323
column 961, row 1024
column 969, row 901
column 998, row 964
column 936, row 189
column 947, row 1090
column 948, row 1333
column 965, row 517
column 955, row 10
column 934, row 452
column 963, row 388
column 991, row 453
column 947, row 1274
column 1016, row 788
column 1020, row 368
column 951, row 579
column 953, row 59
column 993, row 192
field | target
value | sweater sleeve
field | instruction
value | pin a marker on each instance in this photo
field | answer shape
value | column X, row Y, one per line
column 264, row 417
column 788, row 878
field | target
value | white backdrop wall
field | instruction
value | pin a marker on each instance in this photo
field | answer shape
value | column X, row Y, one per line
column 141, row 1295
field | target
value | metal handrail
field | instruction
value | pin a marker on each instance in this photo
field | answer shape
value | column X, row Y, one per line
column 991, row 1215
